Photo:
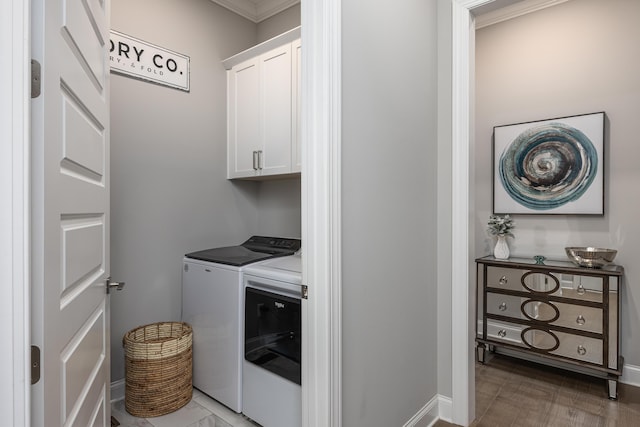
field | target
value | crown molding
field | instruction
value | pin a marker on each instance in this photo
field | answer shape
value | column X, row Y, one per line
column 256, row 10
column 513, row 11
column 263, row 47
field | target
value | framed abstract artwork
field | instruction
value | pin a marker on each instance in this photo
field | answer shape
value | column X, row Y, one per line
column 553, row 166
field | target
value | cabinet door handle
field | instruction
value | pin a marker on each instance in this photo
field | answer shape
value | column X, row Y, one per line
column 255, row 160
column 580, row 320
column 503, row 280
column 581, row 350
column 503, row 306
column 502, row 333
column 580, row 290
column 260, row 159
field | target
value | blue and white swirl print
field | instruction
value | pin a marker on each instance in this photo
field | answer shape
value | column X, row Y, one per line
column 547, row 166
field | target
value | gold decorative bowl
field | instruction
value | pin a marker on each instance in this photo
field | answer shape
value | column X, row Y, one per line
column 591, row 257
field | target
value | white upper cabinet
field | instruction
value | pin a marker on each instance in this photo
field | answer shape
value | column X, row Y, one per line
column 296, row 156
column 275, row 90
column 263, row 109
column 243, row 115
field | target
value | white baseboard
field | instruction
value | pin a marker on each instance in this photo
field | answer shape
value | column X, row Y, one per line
column 631, row 375
column 426, row 416
column 445, row 408
column 117, row 390
column 438, row 408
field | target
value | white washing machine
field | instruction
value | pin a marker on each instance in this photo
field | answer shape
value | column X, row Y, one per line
column 271, row 378
column 212, row 303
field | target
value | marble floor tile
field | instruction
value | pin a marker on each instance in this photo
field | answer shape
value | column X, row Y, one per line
column 201, row 411
column 125, row 419
column 188, row 415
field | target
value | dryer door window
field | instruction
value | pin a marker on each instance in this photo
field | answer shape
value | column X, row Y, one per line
column 272, row 333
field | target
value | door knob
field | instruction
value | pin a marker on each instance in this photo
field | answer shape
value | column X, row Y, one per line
column 111, row 285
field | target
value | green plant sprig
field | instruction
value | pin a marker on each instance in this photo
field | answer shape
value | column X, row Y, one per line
column 498, row 225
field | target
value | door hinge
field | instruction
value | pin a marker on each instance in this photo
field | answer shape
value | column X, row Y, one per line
column 305, row 292
column 35, row 78
column 35, row 364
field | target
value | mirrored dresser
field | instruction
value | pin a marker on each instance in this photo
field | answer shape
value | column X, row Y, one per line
column 551, row 312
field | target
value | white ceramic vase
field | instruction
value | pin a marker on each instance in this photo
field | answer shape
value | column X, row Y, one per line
column 501, row 250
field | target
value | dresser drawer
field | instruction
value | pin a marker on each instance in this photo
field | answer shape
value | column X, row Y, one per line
column 571, row 316
column 522, row 280
column 575, row 347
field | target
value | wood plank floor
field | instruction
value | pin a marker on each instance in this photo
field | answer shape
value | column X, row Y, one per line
column 513, row 392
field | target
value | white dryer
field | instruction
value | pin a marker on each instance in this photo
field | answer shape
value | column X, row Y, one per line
column 271, row 378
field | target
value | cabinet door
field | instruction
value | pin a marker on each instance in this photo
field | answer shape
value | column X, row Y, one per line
column 243, row 119
column 275, row 156
column 296, row 64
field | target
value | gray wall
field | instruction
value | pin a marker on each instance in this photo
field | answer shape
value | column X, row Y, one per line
column 279, row 201
column 577, row 57
column 444, row 200
column 278, row 24
column 169, row 194
column 389, row 221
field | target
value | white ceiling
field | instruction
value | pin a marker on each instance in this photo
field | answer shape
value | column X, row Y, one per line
column 256, row 10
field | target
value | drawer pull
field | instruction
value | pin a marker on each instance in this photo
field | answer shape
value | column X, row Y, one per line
column 580, row 290
column 503, row 280
column 580, row 320
column 581, row 350
column 502, row 333
column 503, row 306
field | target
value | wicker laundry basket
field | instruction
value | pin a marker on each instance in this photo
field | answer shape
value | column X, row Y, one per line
column 158, row 368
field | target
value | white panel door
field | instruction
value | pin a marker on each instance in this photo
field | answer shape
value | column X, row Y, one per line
column 70, row 220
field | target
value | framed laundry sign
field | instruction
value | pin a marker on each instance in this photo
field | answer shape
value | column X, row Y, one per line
column 553, row 166
column 146, row 61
